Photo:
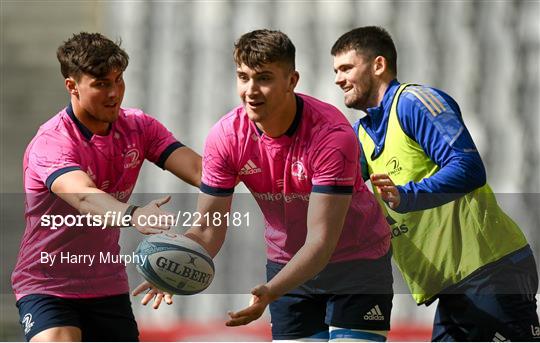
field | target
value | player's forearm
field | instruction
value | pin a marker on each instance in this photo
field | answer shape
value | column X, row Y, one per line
column 78, row 190
column 210, row 238
column 308, row 262
column 100, row 204
column 326, row 216
column 462, row 175
column 96, row 203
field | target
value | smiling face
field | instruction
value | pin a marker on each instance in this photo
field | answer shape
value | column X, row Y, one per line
column 96, row 100
column 265, row 91
column 355, row 75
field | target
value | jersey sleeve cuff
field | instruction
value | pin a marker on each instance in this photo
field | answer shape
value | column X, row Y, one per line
column 216, row 191
column 167, row 152
column 403, row 206
column 332, row 189
column 58, row 173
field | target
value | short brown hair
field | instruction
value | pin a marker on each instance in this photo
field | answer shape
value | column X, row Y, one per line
column 260, row 47
column 371, row 41
column 90, row 53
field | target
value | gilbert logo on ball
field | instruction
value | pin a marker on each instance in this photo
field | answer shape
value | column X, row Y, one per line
column 175, row 264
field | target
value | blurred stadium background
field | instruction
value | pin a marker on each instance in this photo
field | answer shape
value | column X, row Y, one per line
column 485, row 53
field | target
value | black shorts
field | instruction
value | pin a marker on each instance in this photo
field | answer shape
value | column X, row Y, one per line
column 352, row 295
column 496, row 303
column 100, row 319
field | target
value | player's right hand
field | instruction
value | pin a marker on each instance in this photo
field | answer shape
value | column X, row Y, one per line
column 151, row 292
column 152, row 211
column 387, row 189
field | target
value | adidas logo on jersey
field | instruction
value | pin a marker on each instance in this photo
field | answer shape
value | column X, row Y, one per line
column 250, row 168
column 374, row 314
column 499, row 338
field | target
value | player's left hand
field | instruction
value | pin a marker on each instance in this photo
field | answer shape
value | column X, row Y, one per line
column 387, row 189
column 260, row 298
column 151, row 292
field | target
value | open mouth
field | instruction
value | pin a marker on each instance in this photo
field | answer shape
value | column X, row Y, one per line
column 111, row 105
column 255, row 104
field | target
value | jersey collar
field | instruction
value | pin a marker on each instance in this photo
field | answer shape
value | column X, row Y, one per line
column 376, row 112
column 296, row 121
column 298, row 115
column 83, row 129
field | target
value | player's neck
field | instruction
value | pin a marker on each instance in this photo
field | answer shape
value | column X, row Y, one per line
column 377, row 95
column 278, row 123
column 97, row 127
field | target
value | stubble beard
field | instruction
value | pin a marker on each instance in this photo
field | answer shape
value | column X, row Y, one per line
column 361, row 101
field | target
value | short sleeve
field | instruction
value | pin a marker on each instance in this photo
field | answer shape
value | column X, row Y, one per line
column 159, row 141
column 52, row 155
column 335, row 162
column 218, row 173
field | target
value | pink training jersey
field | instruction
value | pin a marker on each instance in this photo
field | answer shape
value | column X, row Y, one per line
column 318, row 153
column 113, row 162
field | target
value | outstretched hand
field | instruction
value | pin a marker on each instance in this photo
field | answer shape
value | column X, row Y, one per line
column 149, row 213
column 151, row 292
column 260, row 298
column 387, row 189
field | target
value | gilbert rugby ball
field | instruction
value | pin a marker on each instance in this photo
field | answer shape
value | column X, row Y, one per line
column 175, row 263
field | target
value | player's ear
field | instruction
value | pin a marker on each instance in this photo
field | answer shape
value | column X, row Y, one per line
column 379, row 65
column 293, row 80
column 71, row 86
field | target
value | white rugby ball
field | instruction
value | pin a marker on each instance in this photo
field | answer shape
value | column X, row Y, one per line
column 175, row 263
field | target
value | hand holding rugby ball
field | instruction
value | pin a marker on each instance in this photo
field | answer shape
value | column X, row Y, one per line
column 175, row 264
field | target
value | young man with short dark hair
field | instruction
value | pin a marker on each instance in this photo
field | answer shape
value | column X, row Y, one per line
column 329, row 274
column 450, row 239
column 85, row 161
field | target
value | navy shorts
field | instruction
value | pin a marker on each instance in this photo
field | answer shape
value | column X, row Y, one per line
column 496, row 303
column 100, row 319
column 352, row 295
